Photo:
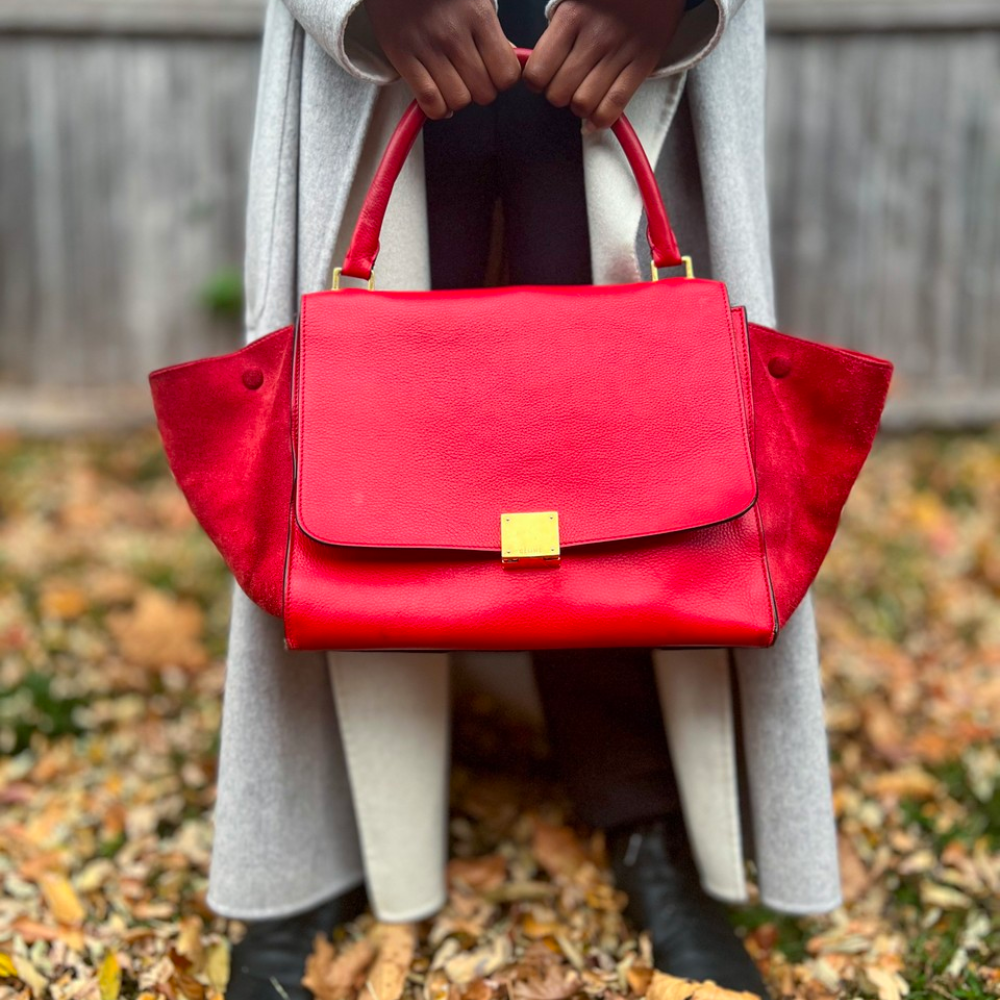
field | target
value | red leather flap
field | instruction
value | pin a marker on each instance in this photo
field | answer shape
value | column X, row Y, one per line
column 420, row 417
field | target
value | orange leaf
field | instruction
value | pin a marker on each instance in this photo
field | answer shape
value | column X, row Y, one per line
column 483, row 873
column 337, row 977
column 396, row 945
column 160, row 631
column 557, row 849
column 664, row 987
column 639, row 980
column 62, row 900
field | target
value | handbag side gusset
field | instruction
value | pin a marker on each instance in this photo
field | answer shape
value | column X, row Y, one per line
column 817, row 410
column 225, row 423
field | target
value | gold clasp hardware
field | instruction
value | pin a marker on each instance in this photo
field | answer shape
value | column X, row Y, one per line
column 335, row 284
column 688, row 269
column 530, row 539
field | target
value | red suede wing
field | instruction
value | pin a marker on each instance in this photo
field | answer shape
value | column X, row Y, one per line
column 226, row 429
column 816, row 411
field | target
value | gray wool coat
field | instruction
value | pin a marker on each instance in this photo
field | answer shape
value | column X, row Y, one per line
column 333, row 767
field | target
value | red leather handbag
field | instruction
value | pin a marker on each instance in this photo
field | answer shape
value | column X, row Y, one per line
column 522, row 467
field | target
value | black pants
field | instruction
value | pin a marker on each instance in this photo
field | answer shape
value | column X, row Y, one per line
column 601, row 706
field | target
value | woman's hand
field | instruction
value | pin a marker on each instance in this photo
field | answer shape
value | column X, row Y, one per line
column 595, row 53
column 450, row 52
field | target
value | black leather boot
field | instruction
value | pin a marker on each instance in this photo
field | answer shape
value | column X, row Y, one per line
column 691, row 935
column 275, row 951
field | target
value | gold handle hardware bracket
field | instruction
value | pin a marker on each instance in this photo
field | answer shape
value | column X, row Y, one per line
column 688, row 269
column 529, row 539
column 335, row 284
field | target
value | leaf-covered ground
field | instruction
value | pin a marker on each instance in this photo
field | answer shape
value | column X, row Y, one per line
column 112, row 622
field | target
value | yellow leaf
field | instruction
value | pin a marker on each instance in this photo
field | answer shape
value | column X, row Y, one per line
column 7, row 970
column 932, row 894
column 94, row 875
column 109, row 977
column 570, row 950
column 217, row 965
column 37, row 983
column 189, row 941
column 480, row 962
column 890, row 985
column 61, row 898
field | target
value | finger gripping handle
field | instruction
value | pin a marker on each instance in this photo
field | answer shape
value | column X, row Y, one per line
column 364, row 246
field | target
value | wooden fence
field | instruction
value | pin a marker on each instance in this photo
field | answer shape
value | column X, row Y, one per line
column 884, row 166
column 124, row 128
column 123, row 157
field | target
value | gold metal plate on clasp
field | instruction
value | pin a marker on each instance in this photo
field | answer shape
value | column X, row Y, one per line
column 688, row 269
column 530, row 539
column 335, row 282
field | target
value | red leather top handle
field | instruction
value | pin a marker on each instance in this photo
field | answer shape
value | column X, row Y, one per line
column 364, row 246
